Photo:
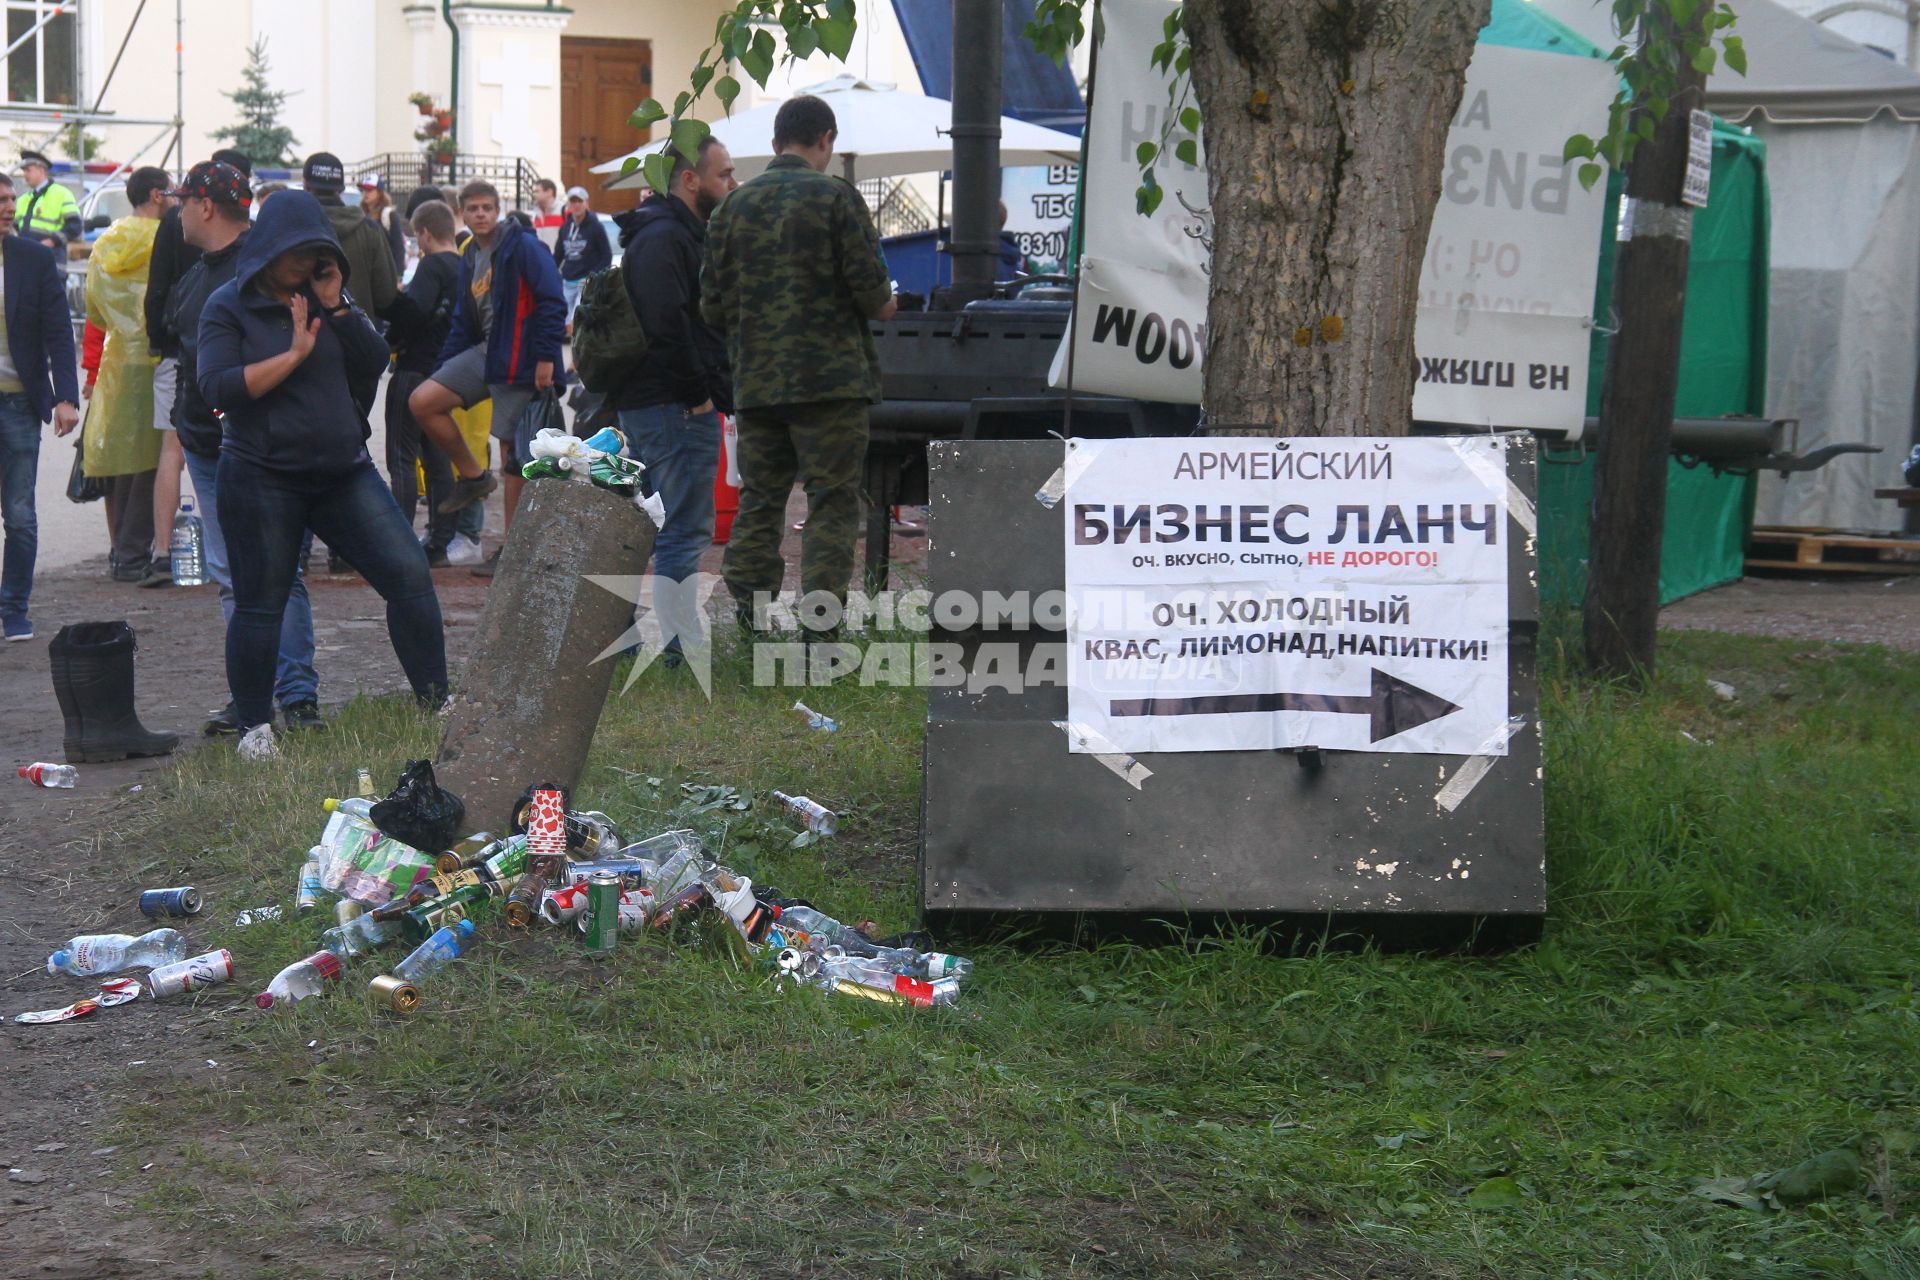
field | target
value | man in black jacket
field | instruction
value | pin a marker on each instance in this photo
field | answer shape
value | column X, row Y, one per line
column 172, row 258
column 670, row 405
column 214, row 204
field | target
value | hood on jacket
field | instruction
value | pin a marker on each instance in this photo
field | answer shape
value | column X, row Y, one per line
column 656, row 208
column 291, row 220
column 124, row 248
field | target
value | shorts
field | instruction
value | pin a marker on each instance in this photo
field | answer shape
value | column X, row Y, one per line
column 466, row 376
column 166, row 382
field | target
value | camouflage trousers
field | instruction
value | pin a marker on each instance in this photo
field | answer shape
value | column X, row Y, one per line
column 824, row 445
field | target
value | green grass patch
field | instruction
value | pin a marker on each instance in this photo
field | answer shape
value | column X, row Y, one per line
column 1725, row 988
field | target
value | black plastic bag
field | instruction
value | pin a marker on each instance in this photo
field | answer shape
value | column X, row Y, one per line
column 420, row 812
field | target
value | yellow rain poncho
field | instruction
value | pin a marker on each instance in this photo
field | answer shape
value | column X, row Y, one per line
column 120, row 439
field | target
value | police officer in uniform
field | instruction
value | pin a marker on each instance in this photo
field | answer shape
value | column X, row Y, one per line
column 48, row 211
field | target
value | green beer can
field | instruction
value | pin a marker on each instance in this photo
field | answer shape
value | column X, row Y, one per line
column 602, row 924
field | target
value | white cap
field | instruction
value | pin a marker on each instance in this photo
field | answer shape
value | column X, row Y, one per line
column 576, row 193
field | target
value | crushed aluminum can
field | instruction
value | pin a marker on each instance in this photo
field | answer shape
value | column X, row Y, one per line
column 181, row 901
column 258, row 915
column 564, row 906
column 190, row 974
column 389, row 992
column 112, row 992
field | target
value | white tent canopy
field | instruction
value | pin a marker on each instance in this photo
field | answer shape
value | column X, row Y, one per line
column 883, row 133
column 1842, row 128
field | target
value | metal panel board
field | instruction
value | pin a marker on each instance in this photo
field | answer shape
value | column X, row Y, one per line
column 1014, row 823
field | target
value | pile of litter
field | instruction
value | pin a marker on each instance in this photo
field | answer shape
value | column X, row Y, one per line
column 554, row 869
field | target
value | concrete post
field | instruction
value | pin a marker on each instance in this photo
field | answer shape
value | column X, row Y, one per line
column 530, row 697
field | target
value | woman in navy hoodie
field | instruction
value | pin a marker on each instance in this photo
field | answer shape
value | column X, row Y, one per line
column 292, row 365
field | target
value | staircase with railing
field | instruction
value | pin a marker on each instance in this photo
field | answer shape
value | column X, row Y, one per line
column 896, row 207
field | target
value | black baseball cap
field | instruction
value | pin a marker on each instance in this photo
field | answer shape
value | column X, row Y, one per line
column 324, row 174
column 215, row 181
column 238, row 159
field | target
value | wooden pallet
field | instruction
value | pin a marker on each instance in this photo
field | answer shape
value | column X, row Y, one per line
column 1780, row 547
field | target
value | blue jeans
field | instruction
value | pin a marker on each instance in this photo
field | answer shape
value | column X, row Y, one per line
column 294, row 679
column 265, row 514
column 681, row 451
column 19, row 471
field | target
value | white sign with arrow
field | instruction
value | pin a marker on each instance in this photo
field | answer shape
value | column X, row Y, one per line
column 1237, row 594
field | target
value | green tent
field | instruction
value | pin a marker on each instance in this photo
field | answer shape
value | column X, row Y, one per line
column 1723, row 357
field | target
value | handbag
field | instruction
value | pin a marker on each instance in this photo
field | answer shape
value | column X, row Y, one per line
column 81, row 487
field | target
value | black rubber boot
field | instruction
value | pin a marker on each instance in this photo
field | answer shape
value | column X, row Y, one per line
column 93, row 679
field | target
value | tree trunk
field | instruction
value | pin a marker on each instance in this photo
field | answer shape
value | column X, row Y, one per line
column 1622, row 607
column 1326, row 126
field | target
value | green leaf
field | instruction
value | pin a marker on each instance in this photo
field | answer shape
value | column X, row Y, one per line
column 979, row 1175
column 740, row 39
column 1149, row 194
column 836, row 35
column 1703, row 61
column 1496, row 1193
column 802, row 41
column 1190, row 120
column 1145, row 153
column 659, row 168
column 687, row 136
column 680, row 104
column 758, row 59
column 1736, row 55
column 699, row 79
column 627, row 166
column 726, row 89
column 1588, row 175
column 1827, row 1174
column 1187, row 152
column 1579, row 146
column 647, row 113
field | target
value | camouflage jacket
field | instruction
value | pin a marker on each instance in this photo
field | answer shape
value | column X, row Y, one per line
column 791, row 275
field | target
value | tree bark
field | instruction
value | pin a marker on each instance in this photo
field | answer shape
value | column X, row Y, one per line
column 1622, row 607
column 1326, row 125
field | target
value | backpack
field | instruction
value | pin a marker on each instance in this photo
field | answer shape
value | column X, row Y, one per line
column 608, row 341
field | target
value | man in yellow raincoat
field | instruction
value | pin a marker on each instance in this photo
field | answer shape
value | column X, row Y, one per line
column 120, row 443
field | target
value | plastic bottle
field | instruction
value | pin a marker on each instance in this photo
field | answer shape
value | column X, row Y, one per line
column 826, row 724
column 187, row 548
column 96, row 953
column 680, row 869
column 438, row 951
column 363, row 783
column 358, row 936
column 49, row 775
column 819, row 819
column 302, row 978
column 360, row 807
column 836, row 966
column 817, row 925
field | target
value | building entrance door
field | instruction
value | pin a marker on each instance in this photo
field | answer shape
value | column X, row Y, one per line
column 601, row 82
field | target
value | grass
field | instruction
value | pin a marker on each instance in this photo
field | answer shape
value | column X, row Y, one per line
column 1725, row 987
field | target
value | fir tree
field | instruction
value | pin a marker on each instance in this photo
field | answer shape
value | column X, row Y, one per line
column 259, row 135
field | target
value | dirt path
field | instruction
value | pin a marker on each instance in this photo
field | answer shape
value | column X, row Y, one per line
column 65, row 1214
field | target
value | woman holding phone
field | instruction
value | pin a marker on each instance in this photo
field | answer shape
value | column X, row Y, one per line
column 293, row 365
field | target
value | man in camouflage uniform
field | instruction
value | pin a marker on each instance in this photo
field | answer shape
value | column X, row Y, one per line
column 791, row 276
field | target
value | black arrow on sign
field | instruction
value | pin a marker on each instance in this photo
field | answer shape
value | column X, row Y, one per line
column 1392, row 705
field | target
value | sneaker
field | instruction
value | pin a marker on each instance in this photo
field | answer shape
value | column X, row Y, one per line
column 437, row 558
column 129, row 570
column 222, row 723
column 467, row 492
column 464, row 550
column 18, row 629
column 304, row 714
column 257, row 743
column 159, row 572
column 486, row 568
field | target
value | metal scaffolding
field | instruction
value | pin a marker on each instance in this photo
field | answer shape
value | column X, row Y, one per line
column 61, row 119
